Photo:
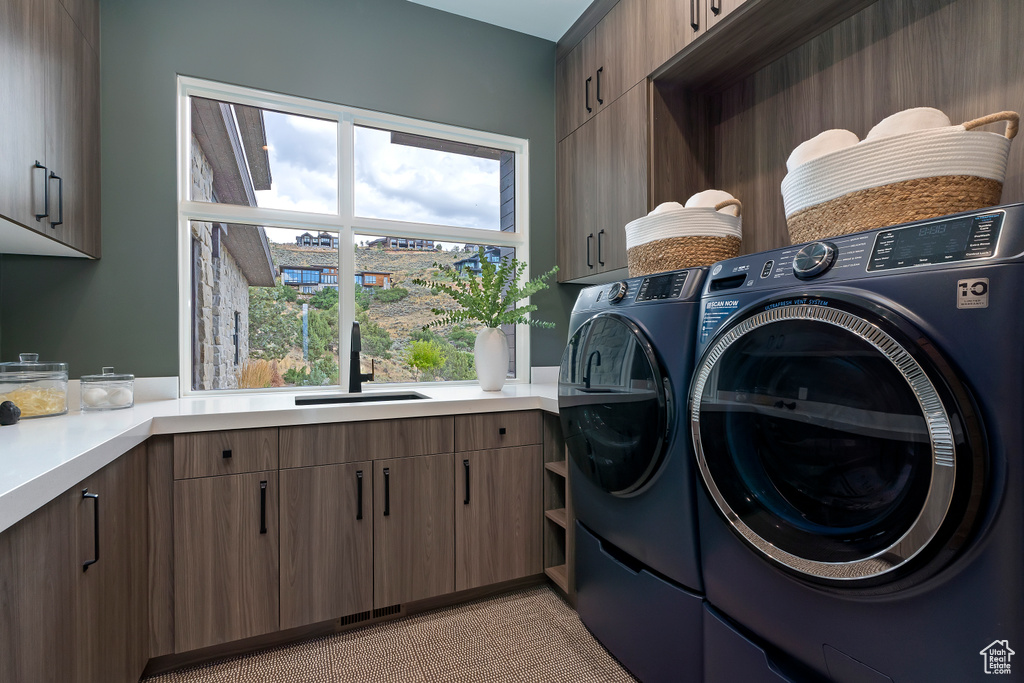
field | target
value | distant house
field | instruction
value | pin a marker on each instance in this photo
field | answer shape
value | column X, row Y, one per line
column 368, row 278
column 402, row 243
column 321, row 240
column 308, row 269
column 472, row 263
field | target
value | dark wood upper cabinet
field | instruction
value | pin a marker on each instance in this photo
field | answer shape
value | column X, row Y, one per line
column 497, row 515
column 413, row 529
column 671, row 26
column 326, row 542
column 49, row 74
column 608, row 61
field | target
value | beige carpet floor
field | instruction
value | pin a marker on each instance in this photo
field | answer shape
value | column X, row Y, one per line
column 528, row 636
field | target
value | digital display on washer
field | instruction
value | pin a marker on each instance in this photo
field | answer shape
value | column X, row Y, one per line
column 668, row 286
column 957, row 239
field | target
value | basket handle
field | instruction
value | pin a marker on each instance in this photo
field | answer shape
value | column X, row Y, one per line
column 730, row 202
column 1012, row 118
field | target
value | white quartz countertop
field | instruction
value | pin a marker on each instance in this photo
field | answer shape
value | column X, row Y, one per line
column 41, row 458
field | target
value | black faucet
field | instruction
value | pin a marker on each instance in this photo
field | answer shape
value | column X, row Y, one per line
column 586, row 372
column 355, row 375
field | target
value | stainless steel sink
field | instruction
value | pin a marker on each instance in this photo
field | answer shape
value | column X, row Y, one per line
column 356, row 398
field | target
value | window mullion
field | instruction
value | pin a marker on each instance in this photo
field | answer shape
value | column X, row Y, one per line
column 346, row 256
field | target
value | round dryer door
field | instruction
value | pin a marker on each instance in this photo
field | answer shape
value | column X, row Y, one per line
column 835, row 441
column 613, row 404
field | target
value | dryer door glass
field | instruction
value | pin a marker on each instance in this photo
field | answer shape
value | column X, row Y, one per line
column 823, row 441
column 613, row 404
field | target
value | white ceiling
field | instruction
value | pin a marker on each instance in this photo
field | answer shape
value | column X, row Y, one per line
column 548, row 19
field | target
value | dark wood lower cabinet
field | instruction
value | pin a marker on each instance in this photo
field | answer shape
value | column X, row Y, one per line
column 113, row 605
column 497, row 516
column 326, row 542
column 60, row 622
column 225, row 559
column 413, row 529
column 38, row 607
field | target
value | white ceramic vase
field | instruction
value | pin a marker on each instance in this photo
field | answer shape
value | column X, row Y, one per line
column 490, row 353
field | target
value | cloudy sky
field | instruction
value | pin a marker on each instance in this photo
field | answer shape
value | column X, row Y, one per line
column 392, row 181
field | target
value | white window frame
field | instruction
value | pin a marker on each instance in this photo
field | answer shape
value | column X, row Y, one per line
column 344, row 225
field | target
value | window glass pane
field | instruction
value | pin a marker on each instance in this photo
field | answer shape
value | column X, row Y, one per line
column 392, row 310
column 412, row 178
column 265, row 307
column 257, row 157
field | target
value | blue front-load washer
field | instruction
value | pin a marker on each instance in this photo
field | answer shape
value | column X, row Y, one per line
column 857, row 416
column 621, row 395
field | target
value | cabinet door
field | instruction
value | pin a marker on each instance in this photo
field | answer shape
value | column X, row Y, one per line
column 574, row 96
column 671, row 26
column 38, row 610
column 620, row 186
column 225, row 559
column 498, row 516
column 716, row 10
column 22, row 109
column 621, row 52
column 413, row 529
column 113, row 615
column 85, row 234
column 64, row 123
column 577, row 203
column 326, row 542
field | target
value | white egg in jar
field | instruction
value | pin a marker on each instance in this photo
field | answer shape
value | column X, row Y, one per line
column 94, row 396
column 120, row 396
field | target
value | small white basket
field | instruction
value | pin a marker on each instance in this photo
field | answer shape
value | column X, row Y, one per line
column 683, row 238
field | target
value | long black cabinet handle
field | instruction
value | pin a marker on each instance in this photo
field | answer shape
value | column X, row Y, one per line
column 387, row 491
column 95, row 528
column 589, row 262
column 263, row 507
column 359, row 494
column 586, row 97
column 600, row 259
column 465, row 466
column 46, row 193
column 694, row 19
column 716, row 6
column 60, row 199
column 598, row 94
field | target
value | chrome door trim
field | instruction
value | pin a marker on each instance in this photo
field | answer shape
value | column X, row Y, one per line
column 940, row 433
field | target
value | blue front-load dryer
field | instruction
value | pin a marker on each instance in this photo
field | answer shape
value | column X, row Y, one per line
column 857, row 416
column 621, row 396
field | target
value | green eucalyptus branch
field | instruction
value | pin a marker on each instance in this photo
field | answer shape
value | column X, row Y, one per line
column 490, row 298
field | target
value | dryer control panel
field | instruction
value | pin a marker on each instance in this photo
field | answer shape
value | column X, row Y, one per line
column 944, row 241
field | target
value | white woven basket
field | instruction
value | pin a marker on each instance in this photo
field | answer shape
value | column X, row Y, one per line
column 891, row 180
column 682, row 238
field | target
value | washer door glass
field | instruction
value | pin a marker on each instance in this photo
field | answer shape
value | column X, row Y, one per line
column 823, row 441
column 613, row 404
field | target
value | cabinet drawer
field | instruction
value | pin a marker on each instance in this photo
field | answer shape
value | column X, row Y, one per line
column 497, row 430
column 207, row 454
column 341, row 442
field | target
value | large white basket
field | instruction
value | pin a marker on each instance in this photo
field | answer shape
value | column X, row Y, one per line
column 891, row 180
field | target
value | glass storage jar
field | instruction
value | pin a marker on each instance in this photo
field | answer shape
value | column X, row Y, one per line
column 38, row 389
column 108, row 391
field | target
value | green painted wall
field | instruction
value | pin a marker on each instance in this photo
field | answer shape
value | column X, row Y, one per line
column 386, row 55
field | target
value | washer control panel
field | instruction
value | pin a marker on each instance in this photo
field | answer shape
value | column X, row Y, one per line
column 667, row 286
column 957, row 239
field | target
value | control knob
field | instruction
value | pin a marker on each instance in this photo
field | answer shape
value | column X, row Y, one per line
column 617, row 291
column 814, row 259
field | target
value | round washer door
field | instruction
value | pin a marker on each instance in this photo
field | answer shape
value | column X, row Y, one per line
column 834, row 443
column 613, row 404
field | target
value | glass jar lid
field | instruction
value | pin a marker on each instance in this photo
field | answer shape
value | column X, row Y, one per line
column 108, row 376
column 29, row 363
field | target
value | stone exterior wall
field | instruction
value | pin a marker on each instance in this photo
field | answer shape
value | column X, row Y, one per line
column 222, row 290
